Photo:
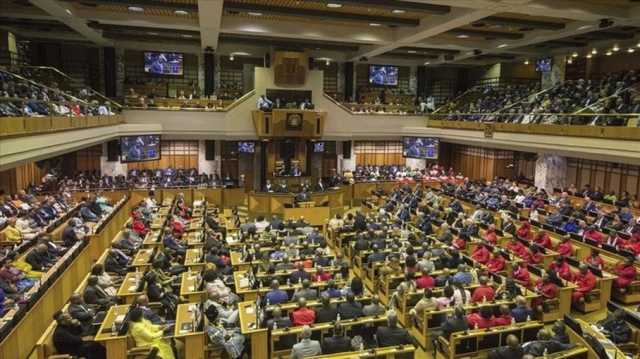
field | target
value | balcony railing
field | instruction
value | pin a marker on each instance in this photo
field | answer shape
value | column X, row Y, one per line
column 23, row 126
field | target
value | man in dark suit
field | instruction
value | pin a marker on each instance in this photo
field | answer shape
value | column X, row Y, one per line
column 38, row 258
column 350, row 309
column 392, row 335
column 326, row 312
column 116, row 262
column 513, row 350
column 83, row 313
column 300, row 274
column 337, row 343
column 455, row 323
column 67, row 339
column 93, row 294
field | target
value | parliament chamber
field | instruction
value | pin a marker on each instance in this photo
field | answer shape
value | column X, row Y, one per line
column 325, row 179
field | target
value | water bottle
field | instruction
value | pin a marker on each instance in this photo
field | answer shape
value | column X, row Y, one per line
column 114, row 329
column 338, row 317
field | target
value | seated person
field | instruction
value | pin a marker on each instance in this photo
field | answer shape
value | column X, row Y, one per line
column 95, row 295
column 547, row 289
column 482, row 319
column 39, row 258
column 336, row 343
column 350, row 309
column 67, row 339
column 226, row 336
column 303, row 315
column 484, row 292
column 626, row 273
column 393, row 335
column 276, row 295
column 504, row 318
column 147, row 334
column 616, row 328
column 585, row 282
column 457, row 322
column 544, row 345
column 306, row 347
column 326, row 312
column 374, row 308
column 512, row 350
column 521, row 313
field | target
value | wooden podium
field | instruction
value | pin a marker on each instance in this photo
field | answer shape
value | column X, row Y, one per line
column 289, row 123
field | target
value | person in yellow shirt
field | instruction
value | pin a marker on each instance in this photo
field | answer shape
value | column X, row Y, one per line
column 147, row 334
column 12, row 233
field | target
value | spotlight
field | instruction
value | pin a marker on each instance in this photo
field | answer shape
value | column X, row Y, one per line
column 631, row 50
column 181, row 12
column 594, row 51
column 328, row 62
column 374, row 24
column 575, row 54
column 334, row 5
column 616, row 48
column 569, row 61
column 526, row 62
column 135, row 8
column 231, row 58
column 589, row 56
column 609, row 53
column 398, row 11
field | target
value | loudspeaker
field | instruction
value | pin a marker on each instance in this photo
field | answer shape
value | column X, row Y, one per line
column 209, row 150
column 346, row 150
column 113, row 150
column 287, row 150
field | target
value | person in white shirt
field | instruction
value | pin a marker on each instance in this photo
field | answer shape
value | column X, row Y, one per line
column 26, row 227
column 261, row 224
column 264, row 103
column 336, row 222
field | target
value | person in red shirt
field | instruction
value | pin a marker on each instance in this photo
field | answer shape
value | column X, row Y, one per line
column 138, row 225
column 594, row 235
column 595, row 260
column 524, row 231
column 542, row 239
column 586, row 281
column 321, row 275
column 481, row 254
column 516, row 247
column 482, row 319
column 484, row 292
column 633, row 244
column 561, row 267
column 547, row 289
column 521, row 274
column 534, row 257
column 504, row 318
column 565, row 248
column 490, row 235
column 626, row 273
column 303, row 315
column 496, row 263
column 459, row 243
column 177, row 227
column 425, row 280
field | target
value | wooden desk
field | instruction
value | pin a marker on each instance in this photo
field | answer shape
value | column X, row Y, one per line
column 142, row 259
column 194, row 339
column 128, row 290
column 612, row 350
column 194, row 259
column 152, row 238
column 316, row 216
column 195, row 238
column 249, row 326
column 378, row 353
column 195, row 224
column 190, row 287
column 115, row 345
column 250, row 294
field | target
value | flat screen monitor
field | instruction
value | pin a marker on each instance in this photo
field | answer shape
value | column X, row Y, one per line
column 420, row 147
column 544, row 65
column 139, row 148
column 318, row 147
column 163, row 63
column 246, row 147
column 383, row 75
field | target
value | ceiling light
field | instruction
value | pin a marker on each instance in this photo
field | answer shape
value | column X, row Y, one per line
column 186, row 36
column 569, row 61
column 231, row 58
column 526, row 62
column 615, row 48
column 181, row 12
column 68, row 12
column 412, row 51
column 334, row 5
column 575, row 54
column 398, row 11
column 240, row 53
column 502, row 46
column 584, row 27
column 594, row 51
column 462, row 36
column 609, row 53
column 135, row 8
column 427, row 63
column 253, row 13
column 631, row 50
column 589, row 56
column 328, row 62
column 374, row 24
column 152, row 33
column 638, row 44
